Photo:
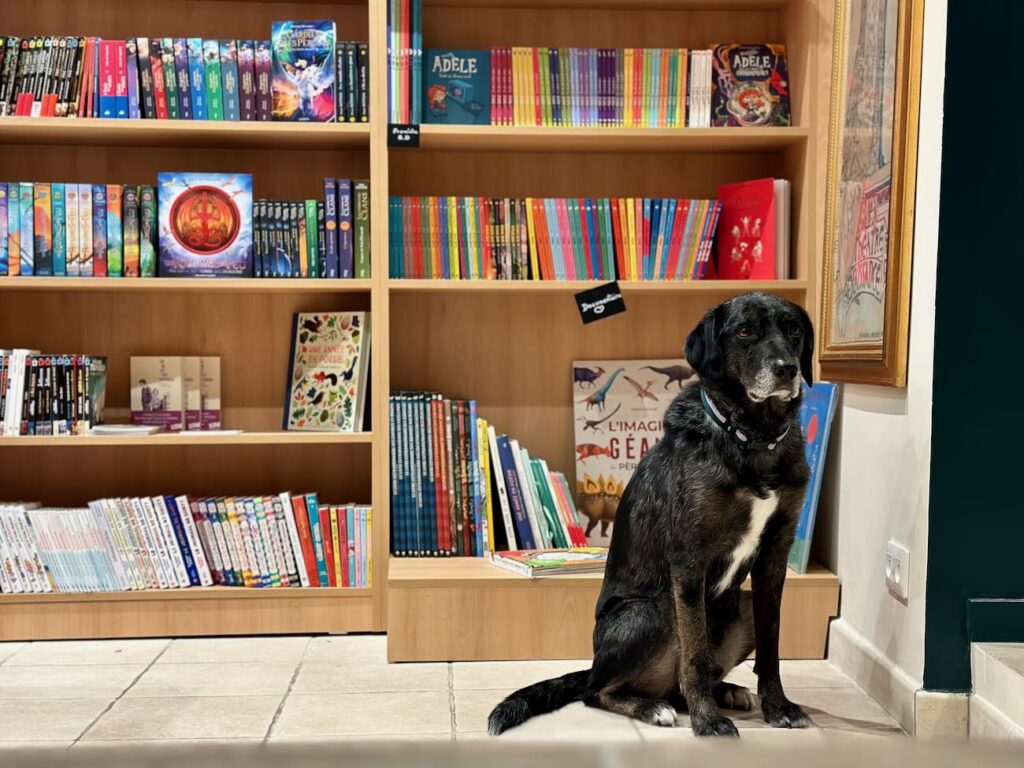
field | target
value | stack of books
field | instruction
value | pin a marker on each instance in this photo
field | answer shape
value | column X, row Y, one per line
column 405, row 60
column 172, row 542
column 50, row 394
column 473, row 238
column 452, row 474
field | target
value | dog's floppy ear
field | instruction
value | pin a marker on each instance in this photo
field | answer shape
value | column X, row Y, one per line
column 703, row 349
column 807, row 353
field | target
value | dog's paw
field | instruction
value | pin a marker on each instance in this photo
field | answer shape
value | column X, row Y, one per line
column 658, row 713
column 719, row 725
column 730, row 696
column 784, row 714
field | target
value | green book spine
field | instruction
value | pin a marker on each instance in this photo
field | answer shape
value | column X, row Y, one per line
column 312, row 247
column 565, row 86
column 147, row 231
column 543, row 74
column 361, row 240
column 211, row 65
column 170, row 78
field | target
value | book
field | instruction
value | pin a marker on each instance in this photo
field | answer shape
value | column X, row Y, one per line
column 303, row 71
column 361, row 228
column 262, row 67
column 190, row 374
column 457, row 87
column 147, row 231
column 131, row 241
column 212, row 70
column 750, row 86
column 209, row 393
column 542, row 563
column 158, row 392
column 43, row 231
column 747, row 234
column 327, row 372
column 205, row 224
column 115, row 231
column 196, row 77
column 617, row 418
column 816, row 412
column 229, row 83
column 247, row 79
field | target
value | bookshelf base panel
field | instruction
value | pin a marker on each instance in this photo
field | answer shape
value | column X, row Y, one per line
column 468, row 610
column 178, row 614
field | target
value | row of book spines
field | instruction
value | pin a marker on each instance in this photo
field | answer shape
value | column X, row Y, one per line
column 405, row 60
column 551, row 238
column 315, row 238
column 634, row 87
column 439, row 505
column 353, row 82
column 166, row 542
column 47, row 394
column 77, row 230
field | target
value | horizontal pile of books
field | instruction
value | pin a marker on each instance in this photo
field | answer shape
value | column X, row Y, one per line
column 472, row 238
column 302, row 73
column 50, row 394
column 452, row 474
column 170, row 542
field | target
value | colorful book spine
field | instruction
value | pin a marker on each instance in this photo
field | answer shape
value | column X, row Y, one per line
column 132, row 77
column 27, row 229
column 262, row 67
column 361, row 226
column 229, row 80
column 86, row 246
column 58, row 223
column 183, row 79
column 170, row 75
column 147, row 231
column 247, row 80
column 131, row 244
column 115, row 231
column 42, row 231
column 99, row 231
column 197, row 77
column 211, row 63
column 346, row 260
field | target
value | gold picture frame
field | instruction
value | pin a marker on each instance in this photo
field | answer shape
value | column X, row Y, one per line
column 869, row 205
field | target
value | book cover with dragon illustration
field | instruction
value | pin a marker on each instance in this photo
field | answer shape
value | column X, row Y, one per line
column 327, row 376
column 617, row 410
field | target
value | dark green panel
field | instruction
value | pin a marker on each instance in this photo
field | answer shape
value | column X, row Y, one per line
column 976, row 514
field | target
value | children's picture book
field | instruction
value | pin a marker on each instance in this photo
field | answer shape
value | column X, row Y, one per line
column 540, row 563
column 746, row 231
column 816, row 412
column 158, row 392
column 303, row 71
column 457, row 87
column 750, row 86
column 618, row 407
column 205, row 224
column 327, row 375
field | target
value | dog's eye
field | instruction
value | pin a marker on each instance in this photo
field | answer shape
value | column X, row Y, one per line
column 744, row 332
column 794, row 328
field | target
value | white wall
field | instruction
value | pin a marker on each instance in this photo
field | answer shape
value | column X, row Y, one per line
column 879, row 455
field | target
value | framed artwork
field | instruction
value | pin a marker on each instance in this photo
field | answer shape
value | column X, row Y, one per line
column 869, row 207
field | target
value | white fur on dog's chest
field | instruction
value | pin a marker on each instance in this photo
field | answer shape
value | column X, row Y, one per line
column 761, row 511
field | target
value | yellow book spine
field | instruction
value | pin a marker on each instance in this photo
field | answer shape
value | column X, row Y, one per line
column 681, row 90
column 453, row 237
column 485, row 472
column 627, row 87
column 336, row 546
column 474, row 234
column 517, row 85
column 531, row 232
column 369, row 546
column 630, row 240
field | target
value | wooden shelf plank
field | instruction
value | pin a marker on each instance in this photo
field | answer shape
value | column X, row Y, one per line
column 633, row 5
column 714, row 287
column 525, row 139
column 192, row 593
column 182, row 285
column 182, row 133
column 188, row 438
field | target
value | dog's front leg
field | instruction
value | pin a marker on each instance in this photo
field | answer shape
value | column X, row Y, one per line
column 768, row 576
column 694, row 659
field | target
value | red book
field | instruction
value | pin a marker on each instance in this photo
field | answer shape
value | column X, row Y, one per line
column 746, row 231
column 159, row 87
column 440, row 473
column 305, row 538
column 675, row 243
column 343, row 545
column 538, row 117
column 417, row 240
column 585, row 230
column 617, row 240
column 328, row 537
column 108, row 78
column 121, row 78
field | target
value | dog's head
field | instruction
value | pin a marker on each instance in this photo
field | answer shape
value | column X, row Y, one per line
column 757, row 341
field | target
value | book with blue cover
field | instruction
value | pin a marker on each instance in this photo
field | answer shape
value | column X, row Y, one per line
column 816, row 412
column 457, row 87
column 303, row 78
column 205, row 224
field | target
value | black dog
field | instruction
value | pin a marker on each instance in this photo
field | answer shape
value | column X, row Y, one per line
column 717, row 498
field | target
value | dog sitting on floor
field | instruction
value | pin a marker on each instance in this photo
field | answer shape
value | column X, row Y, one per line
column 717, row 498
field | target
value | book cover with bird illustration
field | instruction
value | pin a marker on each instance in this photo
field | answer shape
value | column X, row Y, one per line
column 205, row 222
column 617, row 410
column 327, row 375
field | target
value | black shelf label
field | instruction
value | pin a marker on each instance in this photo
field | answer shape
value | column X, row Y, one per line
column 403, row 135
column 600, row 302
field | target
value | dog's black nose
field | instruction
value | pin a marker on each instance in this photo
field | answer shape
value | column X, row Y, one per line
column 785, row 371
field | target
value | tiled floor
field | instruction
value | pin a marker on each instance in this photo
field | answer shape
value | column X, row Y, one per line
column 86, row 693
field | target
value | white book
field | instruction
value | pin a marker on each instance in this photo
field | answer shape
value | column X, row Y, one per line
column 293, row 537
column 173, row 546
column 283, row 538
column 259, row 542
column 110, row 548
column 148, row 540
column 122, row 542
column 123, row 429
column 30, row 543
column 101, row 568
column 499, row 482
column 162, row 549
column 233, row 538
column 221, row 537
column 42, row 541
column 10, row 570
column 64, row 550
column 133, row 531
column 547, row 537
column 274, row 531
column 248, row 539
column 558, row 506
column 531, row 512
column 15, row 392
column 194, row 542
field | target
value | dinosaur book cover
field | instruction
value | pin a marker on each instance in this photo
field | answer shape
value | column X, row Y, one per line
column 617, row 411
column 327, row 375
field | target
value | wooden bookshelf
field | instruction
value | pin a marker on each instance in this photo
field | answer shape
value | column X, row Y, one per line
column 509, row 345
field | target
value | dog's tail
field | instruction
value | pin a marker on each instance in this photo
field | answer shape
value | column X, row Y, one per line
column 537, row 699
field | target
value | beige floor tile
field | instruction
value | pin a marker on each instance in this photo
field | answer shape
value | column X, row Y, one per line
column 843, row 708
column 56, row 720
column 9, row 649
column 367, row 677
column 351, row 648
column 812, row 673
column 196, row 717
column 361, row 737
column 363, row 713
column 34, row 745
column 102, row 681
column 571, row 723
column 276, row 650
column 214, row 679
column 162, row 744
column 509, row 674
column 59, row 652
